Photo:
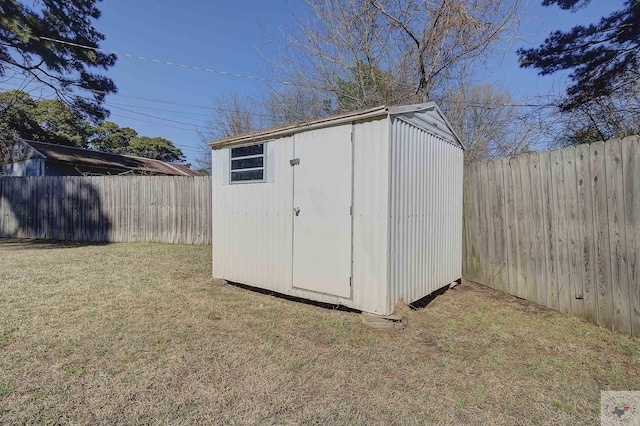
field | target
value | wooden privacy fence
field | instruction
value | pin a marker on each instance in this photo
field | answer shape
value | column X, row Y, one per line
column 560, row 228
column 167, row 209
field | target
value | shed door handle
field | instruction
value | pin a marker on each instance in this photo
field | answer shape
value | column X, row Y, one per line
column 296, row 210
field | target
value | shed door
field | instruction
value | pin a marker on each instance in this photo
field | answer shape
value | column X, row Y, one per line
column 322, row 225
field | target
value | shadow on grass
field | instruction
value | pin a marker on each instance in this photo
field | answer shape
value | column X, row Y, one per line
column 417, row 305
column 323, row 305
column 425, row 301
column 36, row 244
column 66, row 208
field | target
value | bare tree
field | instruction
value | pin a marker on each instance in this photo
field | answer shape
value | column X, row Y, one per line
column 231, row 115
column 292, row 104
column 390, row 51
column 614, row 116
column 492, row 125
column 345, row 55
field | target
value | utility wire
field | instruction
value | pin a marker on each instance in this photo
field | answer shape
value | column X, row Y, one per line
column 102, row 92
column 134, row 118
column 173, row 111
column 155, row 100
column 151, row 116
column 145, row 121
column 161, row 61
column 155, row 122
column 43, row 87
column 188, row 148
column 211, row 109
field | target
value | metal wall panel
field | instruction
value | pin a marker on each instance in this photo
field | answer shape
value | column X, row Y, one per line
column 370, row 215
column 425, row 238
column 252, row 223
column 252, row 228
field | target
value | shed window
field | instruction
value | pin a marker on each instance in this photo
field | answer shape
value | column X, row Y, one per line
column 248, row 163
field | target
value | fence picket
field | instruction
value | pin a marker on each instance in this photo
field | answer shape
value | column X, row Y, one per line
column 617, row 237
column 587, row 240
column 483, row 223
column 549, row 244
column 511, row 227
column 575, row 283
column 528, row 268
column 520, row 238
column 537, row 231
column 631, row 169
column 494, row 243
column 601, row 229
column 470, row 231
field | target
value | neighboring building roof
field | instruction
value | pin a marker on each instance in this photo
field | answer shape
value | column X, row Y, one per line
column 106, row 160
column 184, row 169
column 365, row 114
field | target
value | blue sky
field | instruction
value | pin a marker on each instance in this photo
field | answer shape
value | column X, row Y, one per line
column 228, row 36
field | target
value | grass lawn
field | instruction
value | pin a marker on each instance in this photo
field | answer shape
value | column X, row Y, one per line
column 139, row 334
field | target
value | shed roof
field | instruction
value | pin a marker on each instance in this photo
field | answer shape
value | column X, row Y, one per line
column 107, row 160
column 354, row 116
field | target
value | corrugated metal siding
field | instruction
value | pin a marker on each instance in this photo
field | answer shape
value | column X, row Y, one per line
column 431, row 121
column 370, row 215
column 425, row 238
column 252, row 223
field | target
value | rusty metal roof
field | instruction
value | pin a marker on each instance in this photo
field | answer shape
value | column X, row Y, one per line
column 108, row 160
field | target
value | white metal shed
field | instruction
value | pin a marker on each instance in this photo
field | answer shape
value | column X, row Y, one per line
column 360, row 209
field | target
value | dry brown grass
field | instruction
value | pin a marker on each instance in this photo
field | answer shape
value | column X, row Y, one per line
column 139, row 333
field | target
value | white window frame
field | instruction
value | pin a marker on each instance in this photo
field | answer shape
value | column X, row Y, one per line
column 246, row 157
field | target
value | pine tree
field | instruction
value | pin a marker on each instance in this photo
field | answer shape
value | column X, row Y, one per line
column 604, row 58
column 26, row 47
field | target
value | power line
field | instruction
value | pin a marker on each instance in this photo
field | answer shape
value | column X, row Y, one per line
column 102, row 92
column 151, row 116
column 214, row 108
column 113, row 104
column 147, row 121
column 173, row 111
column 153, row 100
column 321, row 106
column 211, row 109
column 52, row 92
column 156, row 123
column 193, row 150
column 185, row 148
column 161, row 61
column 227, row 74
column 507, row 106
